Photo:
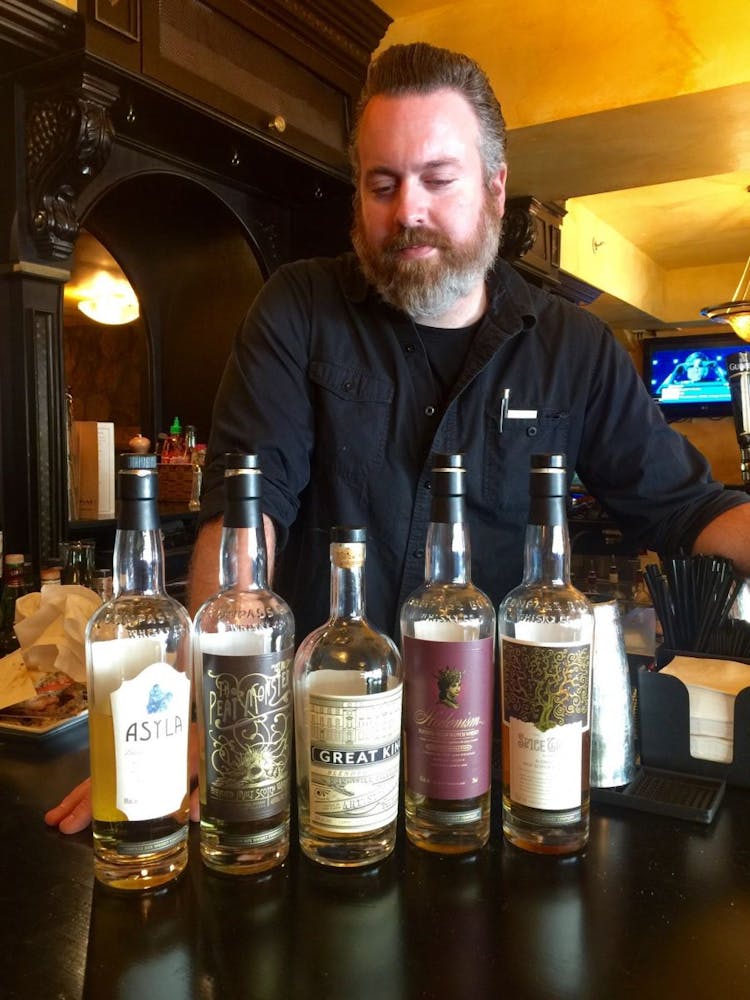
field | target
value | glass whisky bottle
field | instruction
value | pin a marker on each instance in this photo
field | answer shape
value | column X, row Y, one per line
column 347, row 700
column 138, row 670
column 545, row 630
column 448, row 646
column 244, row 647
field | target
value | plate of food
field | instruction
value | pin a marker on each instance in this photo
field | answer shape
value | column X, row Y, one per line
column 59, row 704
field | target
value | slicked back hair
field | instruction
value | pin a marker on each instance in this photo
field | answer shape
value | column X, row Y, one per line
column 420, row 68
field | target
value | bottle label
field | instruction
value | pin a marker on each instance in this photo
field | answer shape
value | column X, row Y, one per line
column 545, row 707
column 247, row 712
column 448, row 717
column 151, row 717
column 355, row 744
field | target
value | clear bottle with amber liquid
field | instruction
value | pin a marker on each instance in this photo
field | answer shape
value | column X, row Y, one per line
column 348, row 685
column 545, row 632
column 138, row 653
column 448, row 646
column 244, row 647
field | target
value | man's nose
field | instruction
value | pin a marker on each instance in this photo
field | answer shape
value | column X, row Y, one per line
column 411, row 209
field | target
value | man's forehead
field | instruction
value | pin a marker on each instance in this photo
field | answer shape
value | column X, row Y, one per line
column 437, row 126
column 446, row 102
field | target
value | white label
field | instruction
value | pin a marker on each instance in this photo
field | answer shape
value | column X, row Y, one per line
column 354, row 760
column 151, row 717
column 440, row 630
column 545, row 768
column 545, row 708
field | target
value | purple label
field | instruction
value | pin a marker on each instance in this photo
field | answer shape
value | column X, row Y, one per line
column 448, row 717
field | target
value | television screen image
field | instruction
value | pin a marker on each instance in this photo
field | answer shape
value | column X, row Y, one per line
column 688, row 376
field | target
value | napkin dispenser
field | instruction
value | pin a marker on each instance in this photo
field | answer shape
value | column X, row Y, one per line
column 693, row 727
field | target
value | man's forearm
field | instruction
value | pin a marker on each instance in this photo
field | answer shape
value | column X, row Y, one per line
column 728, row 535
column 203, row 579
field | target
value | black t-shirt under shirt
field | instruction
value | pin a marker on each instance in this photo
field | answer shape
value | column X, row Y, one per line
column 446, row 350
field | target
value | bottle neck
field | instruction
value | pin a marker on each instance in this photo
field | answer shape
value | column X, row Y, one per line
column 243, row 562
column 448, row 553
column 138, row 561
column 347, row 581
column 547, row 545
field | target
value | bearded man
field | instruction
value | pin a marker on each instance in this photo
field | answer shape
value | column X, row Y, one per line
column 348, row 374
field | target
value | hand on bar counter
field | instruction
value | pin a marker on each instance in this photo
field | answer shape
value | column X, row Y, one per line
column 73, row 814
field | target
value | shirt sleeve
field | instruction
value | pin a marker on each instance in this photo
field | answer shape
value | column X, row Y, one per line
column 648, row 476
column 263, row 403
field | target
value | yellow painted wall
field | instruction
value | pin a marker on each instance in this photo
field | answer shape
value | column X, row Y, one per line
column 598, row 254
column 550, row 60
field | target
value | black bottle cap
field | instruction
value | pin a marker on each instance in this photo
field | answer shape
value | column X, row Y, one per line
column 448, row 475
column 548, row 461
column 445, row 460
column 131, row 460
column 340, row 535
column 548, row 476
column 242, row 477
column 137, row 478
column 239, row 460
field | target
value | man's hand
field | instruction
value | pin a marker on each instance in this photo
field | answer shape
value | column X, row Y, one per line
column 73, row 814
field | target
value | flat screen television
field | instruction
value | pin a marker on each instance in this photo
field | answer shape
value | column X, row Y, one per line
column 687, row 376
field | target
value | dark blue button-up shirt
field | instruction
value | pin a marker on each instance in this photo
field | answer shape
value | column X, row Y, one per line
column 334, row 391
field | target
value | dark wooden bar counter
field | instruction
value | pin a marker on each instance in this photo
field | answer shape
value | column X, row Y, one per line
column 654, row 908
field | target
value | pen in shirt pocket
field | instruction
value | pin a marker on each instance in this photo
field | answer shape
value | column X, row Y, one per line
column 507, row 414
column 504, row 406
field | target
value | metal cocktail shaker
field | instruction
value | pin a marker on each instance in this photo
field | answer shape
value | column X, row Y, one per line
column 612, row 751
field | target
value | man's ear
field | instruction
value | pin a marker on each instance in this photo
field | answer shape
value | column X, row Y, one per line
column 497, row 187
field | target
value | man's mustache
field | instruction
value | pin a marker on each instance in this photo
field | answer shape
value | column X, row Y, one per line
column 416, row 236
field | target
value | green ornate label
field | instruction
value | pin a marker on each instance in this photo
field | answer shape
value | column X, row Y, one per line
column 546, row 685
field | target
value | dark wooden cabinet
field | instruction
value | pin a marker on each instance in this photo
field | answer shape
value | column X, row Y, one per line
column 204, row 144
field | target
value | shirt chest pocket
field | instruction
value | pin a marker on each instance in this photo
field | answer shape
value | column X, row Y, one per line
column 509, row 445
column 352, row 412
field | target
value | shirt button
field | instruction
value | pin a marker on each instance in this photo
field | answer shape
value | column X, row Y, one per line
column 428, row 484
column 419, row 553
column 410, row 348
column 429, row 411
column 348, row 386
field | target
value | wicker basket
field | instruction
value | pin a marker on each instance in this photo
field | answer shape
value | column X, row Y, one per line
column 175, row 482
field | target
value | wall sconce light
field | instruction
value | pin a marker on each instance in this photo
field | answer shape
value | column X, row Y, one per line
column 109, row 300
column 736, row 312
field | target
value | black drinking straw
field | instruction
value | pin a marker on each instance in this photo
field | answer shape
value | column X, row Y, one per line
column 693, row 596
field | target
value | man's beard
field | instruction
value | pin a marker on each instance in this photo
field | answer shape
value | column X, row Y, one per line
column 431, row 287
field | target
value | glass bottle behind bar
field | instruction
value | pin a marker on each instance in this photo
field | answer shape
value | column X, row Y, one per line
column 545, row 629
column 14, row 586
column 447, row 638
column 244, row 644
column 138, row 663
column 347, row 703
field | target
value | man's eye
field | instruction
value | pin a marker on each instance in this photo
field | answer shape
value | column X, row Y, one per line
column 382, row 190
column 438, row 182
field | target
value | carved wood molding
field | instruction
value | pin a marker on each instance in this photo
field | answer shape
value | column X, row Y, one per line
column 68, row 140
column 31, row 31
column 519, row 231
column 329, row 36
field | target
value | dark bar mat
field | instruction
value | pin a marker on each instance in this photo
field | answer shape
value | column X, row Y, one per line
column 667, row 793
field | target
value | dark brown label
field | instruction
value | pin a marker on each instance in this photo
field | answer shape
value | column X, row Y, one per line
column 247, row 701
